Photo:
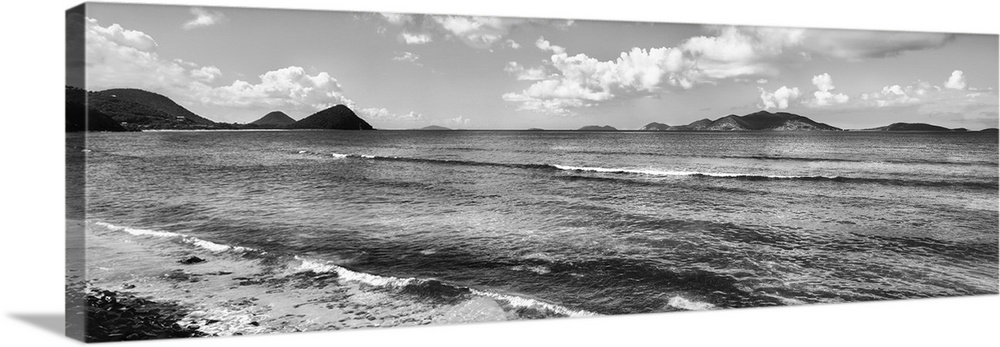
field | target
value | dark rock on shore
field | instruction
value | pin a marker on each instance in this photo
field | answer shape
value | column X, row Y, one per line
column 116, row 316
column 191, row 260
column 338, row 117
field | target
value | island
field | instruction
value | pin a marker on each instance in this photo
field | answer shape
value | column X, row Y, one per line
column 597, row 128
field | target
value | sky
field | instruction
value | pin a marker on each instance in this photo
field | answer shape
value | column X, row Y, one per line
column 402, row 71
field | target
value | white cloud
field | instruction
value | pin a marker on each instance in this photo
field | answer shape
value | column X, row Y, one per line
column 552, row 106
column 779, row 99
column 762, row 81
column 545, row 45
column 117, row 57
column 867, row 44
column 580, row 80
column 406, row 56
column 203, row 18
column 523, row 74
column 290, row 88
column 474, row 31
column 383, row 115
column 115, row 34
column 459, row 121
column 956, row 81
column 415, row 39
column 823, row 96
column 206, row 74
column 397, row 18
column 478, row 32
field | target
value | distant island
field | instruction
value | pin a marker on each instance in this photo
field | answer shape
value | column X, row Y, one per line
column 126, row 109
column 338, row 117
column 434, row 127
column 597, row 128
column 274, row 119
column 757, row 121
column 912, row 127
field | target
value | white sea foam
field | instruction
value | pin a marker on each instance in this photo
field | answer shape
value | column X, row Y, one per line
column 368, row 156
column 303, row 152
column 140, row 232
column 517, row 301
column 353, row 276
column 691, row 305
column 339, row 156
column 538, row 269
column 215, row 247
column 211, row 246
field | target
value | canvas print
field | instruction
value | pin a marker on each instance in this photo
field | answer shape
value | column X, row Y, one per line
column 240, row 171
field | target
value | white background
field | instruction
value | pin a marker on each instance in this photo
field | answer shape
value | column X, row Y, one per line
column 31, row 231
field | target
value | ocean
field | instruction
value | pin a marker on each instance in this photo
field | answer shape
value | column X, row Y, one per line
column 319, row 230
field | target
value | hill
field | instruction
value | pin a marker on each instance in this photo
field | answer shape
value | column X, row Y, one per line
column 597, row 128
column 274, row 118
column 141, row 109
column 79, row 118
column 757, row 121
column 338, row 117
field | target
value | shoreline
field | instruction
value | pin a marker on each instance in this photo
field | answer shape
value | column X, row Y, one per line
column 218, row 290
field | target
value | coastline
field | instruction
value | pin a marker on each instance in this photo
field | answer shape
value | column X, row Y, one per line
column 199, row 288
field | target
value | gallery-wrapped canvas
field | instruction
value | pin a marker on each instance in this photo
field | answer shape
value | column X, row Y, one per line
column 240, row 171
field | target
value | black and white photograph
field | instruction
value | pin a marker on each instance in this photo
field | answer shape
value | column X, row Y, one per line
column 246, row 171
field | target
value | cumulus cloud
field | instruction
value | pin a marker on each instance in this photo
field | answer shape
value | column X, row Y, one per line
column 524, row 74
column 479, row 32
column 545, row 45
column 956, row 81
column 288, row 88
column 728, row 52
column 582, row 81
column 206, row 74
column 117, row 57
column 824, row 95
column 460, row 121
column 415, row 39
column 895, row 95
column 513, row 44
column 779, row 98
column 203, row 18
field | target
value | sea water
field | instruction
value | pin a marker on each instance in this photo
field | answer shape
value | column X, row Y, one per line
column 531, row 224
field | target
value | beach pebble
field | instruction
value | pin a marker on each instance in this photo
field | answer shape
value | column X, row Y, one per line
column 191, row 260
